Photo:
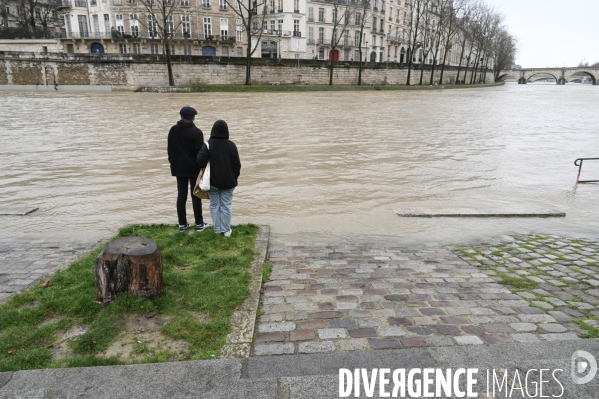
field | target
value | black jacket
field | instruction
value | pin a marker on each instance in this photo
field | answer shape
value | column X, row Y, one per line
column 223, row 156
column 184, row 142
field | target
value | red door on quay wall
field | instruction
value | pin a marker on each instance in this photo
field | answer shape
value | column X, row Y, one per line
column 334, row 55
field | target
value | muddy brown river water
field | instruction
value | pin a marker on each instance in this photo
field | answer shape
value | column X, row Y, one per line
column 313, row 164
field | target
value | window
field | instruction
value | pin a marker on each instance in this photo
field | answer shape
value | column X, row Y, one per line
column 310, row 14
column 334, row 36
column 120, row 24
column 69, row 29
column 272, row 25
column 321, row 54
column 131, row 1
column 136, row 48
column 357, row 38
column 96, row 25
column 106, row 23
column 296, row 8
column 152, row 27
column 82, row 19
column 154, row 48
column 118, row 2
column 187, row 49
column 239, row 52
column 280, row 5
column 184, row 3
column 238, row 30
column 206, row 3
column 280, row 25
column 225, row 51
column 357, row 55
column 382, row 25
column 170, row 26
column 91, row 3
column 134, row 24
column 334, row 15
column 224, row 28
column 311, row 34
column 296, row 28
column 186, row 26
column 321, row 35
column 358, row 18
column 321, row 15
column 222, row 4
column 70, row 48
column 171, row 49
column 122, row 48
column 207, row 27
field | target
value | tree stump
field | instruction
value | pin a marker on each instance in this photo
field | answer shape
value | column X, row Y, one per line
column 129, row 264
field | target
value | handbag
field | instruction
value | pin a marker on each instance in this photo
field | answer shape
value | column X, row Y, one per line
column 205, row 179
column 196, row 190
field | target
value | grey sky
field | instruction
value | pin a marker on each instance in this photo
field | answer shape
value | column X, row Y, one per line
column 552, row 33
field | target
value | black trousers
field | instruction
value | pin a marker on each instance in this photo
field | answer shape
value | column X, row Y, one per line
column 182, row 190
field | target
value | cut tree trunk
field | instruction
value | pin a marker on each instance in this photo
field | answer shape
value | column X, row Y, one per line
column 131, row 265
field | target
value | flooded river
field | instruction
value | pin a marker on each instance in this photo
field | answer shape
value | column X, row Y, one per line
column 323, row 163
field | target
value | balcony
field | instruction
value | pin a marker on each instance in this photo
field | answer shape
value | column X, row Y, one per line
column 311, row 41
column 280, row 10
column 223, row 7
column 310, row 19
column 346, row 43
column 63, row 4
column 394, row 39
column 297, row 34
column 271, row 32
column 296, row 11
column 206, row 6
column 81, row 3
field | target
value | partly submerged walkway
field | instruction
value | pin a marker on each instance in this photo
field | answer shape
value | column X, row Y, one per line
column 355, row 296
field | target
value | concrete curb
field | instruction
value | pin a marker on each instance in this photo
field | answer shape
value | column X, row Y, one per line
column 239, row 341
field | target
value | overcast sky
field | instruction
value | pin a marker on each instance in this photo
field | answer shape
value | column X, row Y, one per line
column 552, row 33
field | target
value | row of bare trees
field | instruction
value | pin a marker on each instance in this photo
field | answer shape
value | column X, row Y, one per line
column 436, row 30
column 440, row 28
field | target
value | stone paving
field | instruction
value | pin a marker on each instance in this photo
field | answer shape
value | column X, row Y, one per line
column 324, row 297
column 24, row 263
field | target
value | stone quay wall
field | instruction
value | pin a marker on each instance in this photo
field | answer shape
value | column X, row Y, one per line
column 133, row 72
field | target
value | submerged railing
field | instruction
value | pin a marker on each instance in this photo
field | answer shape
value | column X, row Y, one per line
column 578, row 163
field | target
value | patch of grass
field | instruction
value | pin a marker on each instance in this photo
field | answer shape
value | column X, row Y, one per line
column 202, row 272
column 262, row 88
column 517, row 282
column 592, row 332
column 266, row 270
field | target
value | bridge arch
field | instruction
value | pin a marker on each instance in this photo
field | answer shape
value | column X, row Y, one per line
column 571, row 75
column 505, row 76
column 546, row 74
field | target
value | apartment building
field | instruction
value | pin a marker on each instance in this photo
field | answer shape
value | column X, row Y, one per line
column 283, row 29
column 195, row 27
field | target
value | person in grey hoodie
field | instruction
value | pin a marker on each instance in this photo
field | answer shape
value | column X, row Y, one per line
column 225, row 167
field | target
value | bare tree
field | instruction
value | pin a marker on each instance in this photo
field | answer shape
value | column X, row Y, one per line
column 25, row 16
column 427, row 34
column 342, row 14
column 436, row 34
column 361, row 18
column 46, row 13
column 452, row 13
column 417, row 11
column 247, row 11
column 4, row 13
column 504, row 47
column 160, row 22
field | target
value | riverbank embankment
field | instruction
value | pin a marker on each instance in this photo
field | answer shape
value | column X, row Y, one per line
column 129, row 72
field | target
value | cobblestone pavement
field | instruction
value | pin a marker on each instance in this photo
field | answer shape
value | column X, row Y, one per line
column 345, row 297
column 23, row 263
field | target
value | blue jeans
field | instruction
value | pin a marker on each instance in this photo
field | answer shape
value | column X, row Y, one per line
column 221, row 206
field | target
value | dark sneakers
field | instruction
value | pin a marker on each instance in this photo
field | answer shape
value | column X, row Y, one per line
column 202, row 226
column 183, row 227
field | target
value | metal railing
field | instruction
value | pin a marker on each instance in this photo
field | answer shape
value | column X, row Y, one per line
column 63, row 4
column 578, row 163
column 80, row 3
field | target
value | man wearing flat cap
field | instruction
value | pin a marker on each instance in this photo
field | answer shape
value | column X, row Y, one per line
column 184, row 142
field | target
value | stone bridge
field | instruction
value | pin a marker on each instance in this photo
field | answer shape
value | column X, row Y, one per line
column 561, row 75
